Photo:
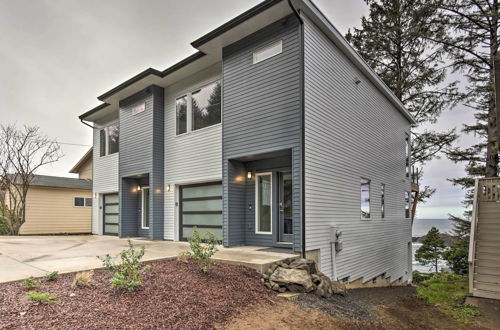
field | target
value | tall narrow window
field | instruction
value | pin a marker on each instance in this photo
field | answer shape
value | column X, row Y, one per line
column 407, row 204
column 382, row 200
column 365, row 199
column 263, row 198
column 102, row 142
column 109, row 138
column 181, row 115
column 206, row 106
column 407, row 154
column 145, row 208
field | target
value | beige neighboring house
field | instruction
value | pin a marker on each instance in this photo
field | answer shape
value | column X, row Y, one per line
column 57, row 205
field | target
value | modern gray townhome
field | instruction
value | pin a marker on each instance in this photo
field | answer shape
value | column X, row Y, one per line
column 274, row 133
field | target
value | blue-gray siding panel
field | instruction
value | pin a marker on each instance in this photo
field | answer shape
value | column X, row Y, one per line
column 352, row 131
column 262, row 112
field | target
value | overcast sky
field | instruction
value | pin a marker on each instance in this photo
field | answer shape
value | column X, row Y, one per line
column 57, row 56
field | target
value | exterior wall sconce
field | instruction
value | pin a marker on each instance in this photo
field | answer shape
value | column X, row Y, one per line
column 168, row 187
column 95, row 195
column 139, row 188
column 249, row 175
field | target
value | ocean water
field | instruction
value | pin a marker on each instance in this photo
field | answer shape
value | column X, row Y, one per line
column 420, row 228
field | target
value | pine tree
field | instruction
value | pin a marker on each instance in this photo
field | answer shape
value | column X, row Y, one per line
column 395, row 41
column 457, row 255
column 471, row 39
column 432, row 249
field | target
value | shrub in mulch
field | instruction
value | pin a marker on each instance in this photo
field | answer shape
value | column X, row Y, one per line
column 174, row 295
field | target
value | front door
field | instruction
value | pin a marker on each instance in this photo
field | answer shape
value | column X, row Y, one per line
column 110, row 214
column 285, row 207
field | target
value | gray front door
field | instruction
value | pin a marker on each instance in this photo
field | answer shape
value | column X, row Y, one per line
column 110, row 214
column 285, row 207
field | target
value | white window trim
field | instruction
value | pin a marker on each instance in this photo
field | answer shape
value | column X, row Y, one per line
column 142, row 206
column 369, row 200
column 188, row 93
column 271, row 45
column 257, row 203
column 106, row 139
column 84, row 204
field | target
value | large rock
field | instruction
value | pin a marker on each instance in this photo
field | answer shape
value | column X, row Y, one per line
column 338, row 288
column 306, row 264
column 324, row 288
column 288, row 276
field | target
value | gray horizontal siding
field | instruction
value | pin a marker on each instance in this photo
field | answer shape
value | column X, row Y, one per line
column 262, row 112
column 352, row 131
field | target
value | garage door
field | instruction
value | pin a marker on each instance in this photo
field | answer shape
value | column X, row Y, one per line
column 110, row 214
column 200, row 208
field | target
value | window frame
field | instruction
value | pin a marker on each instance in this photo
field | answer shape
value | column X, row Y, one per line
column 382, row 200
column 84, row 201
column 102, row 130
column 133, row 109
column 143, row 190
column 257, row 231
column 369, row 217
column 407, row 154
column 267, row 47
column 407, row 204
column 188, row 93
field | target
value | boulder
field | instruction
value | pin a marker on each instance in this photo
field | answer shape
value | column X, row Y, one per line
column 338, row 288
column 288, row 276
column 324, row 288
column 306, row 264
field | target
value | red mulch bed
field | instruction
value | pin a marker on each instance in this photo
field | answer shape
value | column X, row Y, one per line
column 174, row 295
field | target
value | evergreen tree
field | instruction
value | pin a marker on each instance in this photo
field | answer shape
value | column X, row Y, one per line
column 457, row 255
column 395, row 41
column 471, row 39
column 432, row 249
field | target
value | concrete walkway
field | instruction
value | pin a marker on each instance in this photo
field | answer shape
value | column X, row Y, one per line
column 24, row 256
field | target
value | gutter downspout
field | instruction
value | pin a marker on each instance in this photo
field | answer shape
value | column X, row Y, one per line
column 302, row 129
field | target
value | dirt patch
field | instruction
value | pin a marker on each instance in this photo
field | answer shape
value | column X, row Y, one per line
column 174, row 295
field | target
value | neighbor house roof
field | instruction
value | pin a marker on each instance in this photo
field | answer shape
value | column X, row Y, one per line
column 82, row 161
column 60, row 182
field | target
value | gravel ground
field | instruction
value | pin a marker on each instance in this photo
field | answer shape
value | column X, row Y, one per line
column 358, row 303
column 174, row 295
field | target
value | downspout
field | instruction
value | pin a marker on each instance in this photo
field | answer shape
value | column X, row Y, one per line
column 302, row 130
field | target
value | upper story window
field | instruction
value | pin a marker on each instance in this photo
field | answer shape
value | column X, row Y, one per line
column 109, row 140
column 138, row 108
column 407, row 154
column 365, row 199
column 382, row 200
column 198, row 109
column 268, row 51
column 407, row 204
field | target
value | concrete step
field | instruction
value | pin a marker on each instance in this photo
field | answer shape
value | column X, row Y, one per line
column 487, row 270
column 486, row 286
column 491, row 279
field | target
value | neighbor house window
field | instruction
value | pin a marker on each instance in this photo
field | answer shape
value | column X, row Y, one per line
column 109, row 140
column 82, row 202
column 198, row 109
column 382, row 200
column 206, row 106
column 268, row 51
column 263, row 202
column 407, row 204
column 181, row 115
column 365, row 199
column 407, row 154
column 138, row 108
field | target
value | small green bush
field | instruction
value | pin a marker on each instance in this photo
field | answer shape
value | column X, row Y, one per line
column 52, row 276
column 41, row 297
column 128, row 273
column 202, row 249
column 30, row 283
column 448, row 292
column 418, row 277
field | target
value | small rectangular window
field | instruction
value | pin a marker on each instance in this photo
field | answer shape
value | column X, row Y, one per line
column 79, row 201
column 407, row 204
column 181, row 115
column 138, row 108
column 407, row 154
column 365, row 199
column 206, row 106
column 88, row 202
column 268, row 52
column 382, row 200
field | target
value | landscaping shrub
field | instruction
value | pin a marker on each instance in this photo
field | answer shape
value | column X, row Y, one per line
column 418, row 277
column 448, row 292
column 41, row 297
column 128, row 273
column 30, row 283
column 52, row 276
column 202, row 249
column 83, row 278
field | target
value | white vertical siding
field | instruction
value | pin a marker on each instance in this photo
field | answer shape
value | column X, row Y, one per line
column 105, row 180
column 352, row 131
column 192, row 157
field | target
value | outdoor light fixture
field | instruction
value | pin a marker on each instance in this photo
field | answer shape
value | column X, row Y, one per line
column 139, row 188
column 168, row 187
column 249, row 175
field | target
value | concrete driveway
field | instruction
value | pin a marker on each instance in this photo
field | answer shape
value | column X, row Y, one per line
column 24, row 256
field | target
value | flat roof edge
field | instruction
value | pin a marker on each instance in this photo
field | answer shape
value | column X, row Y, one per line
column 93, row 110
